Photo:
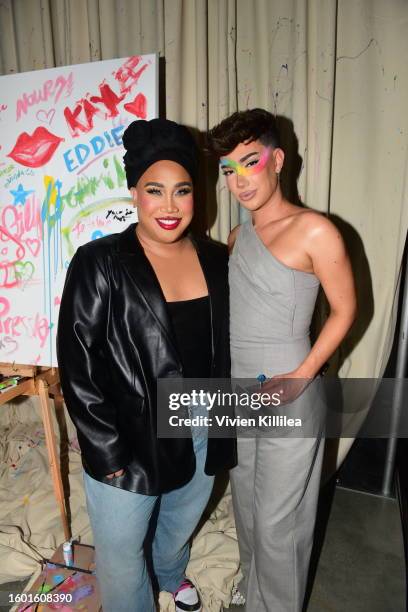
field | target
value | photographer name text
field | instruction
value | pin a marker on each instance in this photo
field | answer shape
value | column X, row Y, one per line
column 226, row 421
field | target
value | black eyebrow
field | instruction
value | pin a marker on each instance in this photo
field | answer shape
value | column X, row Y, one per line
column 248, row 155
column 154, row 184
column 225, row 165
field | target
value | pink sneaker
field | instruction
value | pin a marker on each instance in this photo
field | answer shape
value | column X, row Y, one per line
column 187, row 598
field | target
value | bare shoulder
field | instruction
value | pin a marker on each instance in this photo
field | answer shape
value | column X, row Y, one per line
column 314, row 224
column 321, row 238
column 232, row 237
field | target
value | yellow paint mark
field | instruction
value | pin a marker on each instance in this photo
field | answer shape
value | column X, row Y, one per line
column 49, row 182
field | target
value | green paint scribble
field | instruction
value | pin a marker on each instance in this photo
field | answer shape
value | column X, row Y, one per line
column 87, row 187
column 87, row 212
column 24, row 271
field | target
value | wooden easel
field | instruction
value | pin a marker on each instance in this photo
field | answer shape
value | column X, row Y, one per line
column 41, row 381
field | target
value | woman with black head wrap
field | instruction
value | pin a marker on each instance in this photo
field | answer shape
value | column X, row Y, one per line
column 146, row 304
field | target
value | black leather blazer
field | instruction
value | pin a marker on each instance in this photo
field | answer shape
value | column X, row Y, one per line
column 114, row 340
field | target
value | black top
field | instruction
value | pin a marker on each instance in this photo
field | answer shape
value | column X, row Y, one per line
column 112, row 348
column 192, row 329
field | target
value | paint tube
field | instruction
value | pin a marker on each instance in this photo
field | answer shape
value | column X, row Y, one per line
column 68, row 555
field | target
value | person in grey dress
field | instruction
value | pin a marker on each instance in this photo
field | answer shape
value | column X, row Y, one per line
column 279, row 258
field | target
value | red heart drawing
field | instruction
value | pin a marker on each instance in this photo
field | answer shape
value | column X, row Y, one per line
column 46, row 117
column 34, row 245
column 138, row 106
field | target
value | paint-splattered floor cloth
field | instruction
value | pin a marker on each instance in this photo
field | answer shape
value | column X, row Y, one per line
column 30, row 525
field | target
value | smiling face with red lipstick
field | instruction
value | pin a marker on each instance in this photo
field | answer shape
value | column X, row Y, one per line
column 164, row 200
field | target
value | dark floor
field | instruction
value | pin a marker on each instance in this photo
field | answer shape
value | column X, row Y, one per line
column 361, row 566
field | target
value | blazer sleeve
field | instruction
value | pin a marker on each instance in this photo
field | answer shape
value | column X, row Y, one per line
column 84, row 371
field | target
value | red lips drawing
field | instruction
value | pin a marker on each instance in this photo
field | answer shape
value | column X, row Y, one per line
column 36, row 150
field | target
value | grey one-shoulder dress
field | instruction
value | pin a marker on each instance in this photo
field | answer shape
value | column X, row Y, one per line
column 276, row 483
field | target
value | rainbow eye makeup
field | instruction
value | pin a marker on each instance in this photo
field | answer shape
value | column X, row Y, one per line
column 248, row 170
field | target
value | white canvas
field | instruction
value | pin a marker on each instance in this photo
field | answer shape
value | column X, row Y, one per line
column 62, row 184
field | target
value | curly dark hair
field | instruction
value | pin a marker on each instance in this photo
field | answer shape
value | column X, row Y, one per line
column 243, row 126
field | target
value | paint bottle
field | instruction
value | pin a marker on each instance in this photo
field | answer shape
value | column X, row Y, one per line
column 68, row 555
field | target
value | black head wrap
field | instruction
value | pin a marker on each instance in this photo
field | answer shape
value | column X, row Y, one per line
column 147, row 142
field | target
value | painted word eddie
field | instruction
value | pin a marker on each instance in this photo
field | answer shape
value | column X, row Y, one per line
column 76, row 157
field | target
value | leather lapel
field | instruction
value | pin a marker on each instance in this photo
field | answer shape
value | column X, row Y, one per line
column 139, row 269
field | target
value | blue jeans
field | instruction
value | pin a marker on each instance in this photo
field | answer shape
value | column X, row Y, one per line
column 120, row 520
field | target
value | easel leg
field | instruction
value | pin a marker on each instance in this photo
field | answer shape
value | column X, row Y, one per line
column 53, row 456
